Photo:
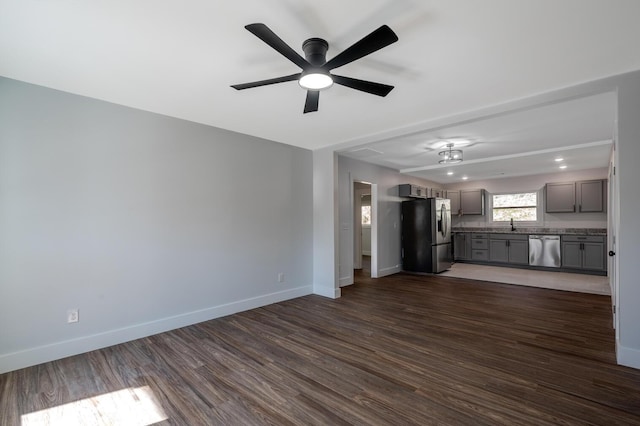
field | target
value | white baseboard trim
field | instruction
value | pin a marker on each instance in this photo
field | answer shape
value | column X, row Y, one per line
column 629, row 357
column 389, row 271
column 58, row 350
column 330, row 292
column 344, row 281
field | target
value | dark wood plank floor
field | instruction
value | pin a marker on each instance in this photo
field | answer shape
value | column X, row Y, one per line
column 397, row 350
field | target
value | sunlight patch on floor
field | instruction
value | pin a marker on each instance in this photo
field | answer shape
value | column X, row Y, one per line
column 131, row 407
column 565, row 281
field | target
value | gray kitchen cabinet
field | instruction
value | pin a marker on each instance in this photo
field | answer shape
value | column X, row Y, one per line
column 472, row 201
column 437, row 193
column 519, row 252
column 479, row 247
column 594, row 256
column 571, row 254
column 560, row 197
column 584, row 252
column 590, row 196
column 505, row 248
column 461, row 246
column 498, row 250
column 412, row 191
column 569, row 197
column 454, row 196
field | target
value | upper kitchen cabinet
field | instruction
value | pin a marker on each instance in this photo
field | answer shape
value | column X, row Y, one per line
column 590, row 195
column 560, row 197
column 454, row 196
column 413, row 191
column 569, row 197
column 437, row 193
column 472, row 201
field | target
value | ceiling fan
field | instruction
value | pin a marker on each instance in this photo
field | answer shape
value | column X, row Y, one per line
column 315, row 74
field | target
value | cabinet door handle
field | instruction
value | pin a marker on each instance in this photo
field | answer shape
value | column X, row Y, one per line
column 612, row 253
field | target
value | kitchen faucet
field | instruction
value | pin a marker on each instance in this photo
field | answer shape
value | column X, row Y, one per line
column 512, row 227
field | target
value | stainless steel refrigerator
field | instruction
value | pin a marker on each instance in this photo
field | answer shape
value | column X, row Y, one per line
column 426, row 235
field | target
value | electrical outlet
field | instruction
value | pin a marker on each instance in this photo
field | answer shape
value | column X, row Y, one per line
column 73, row 315
column 281, row 277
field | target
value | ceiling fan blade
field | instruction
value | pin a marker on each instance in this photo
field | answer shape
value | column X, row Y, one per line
column 378, row 39
column 363, row 85
column 267, row 82
column 311, row 104
column 265, row 34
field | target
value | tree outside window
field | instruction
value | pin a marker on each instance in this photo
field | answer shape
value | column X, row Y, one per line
column 366, row 215
column 520, row 207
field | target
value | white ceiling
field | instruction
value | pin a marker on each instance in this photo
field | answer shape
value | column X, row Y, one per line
column 179, row 58
column 515, row 143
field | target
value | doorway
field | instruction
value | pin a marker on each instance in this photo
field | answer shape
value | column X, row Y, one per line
column 363, row 221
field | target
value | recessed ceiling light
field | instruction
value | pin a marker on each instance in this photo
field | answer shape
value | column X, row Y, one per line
column 559, row 159
column 449, row 173
column 564, row 166
column 464, row 178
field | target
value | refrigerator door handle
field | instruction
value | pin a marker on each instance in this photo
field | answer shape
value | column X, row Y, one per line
column 443, row 218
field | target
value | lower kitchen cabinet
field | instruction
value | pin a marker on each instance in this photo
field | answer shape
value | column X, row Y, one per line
column 584, row 252
column 580, row 253
column 505, row 248
column 462, row 246
column 480, row 247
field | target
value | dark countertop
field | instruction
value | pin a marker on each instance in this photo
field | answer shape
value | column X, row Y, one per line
column 532, row 231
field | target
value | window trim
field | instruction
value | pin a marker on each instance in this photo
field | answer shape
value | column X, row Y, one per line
column 539, row 208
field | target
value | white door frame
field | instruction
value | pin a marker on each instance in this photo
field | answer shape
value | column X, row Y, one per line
column 374, row 225
column 374, row 230
column 613, row 220
column 357, row 225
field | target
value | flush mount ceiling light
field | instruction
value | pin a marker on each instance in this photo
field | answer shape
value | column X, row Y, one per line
column 450, row 155
column 315, row 80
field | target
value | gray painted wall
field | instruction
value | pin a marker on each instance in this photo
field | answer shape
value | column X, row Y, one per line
column 628, row 252
column 142, row 222
column 387, row 209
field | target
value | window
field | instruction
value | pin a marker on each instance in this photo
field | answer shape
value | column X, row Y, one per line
column 366, row 215
column 520, row 207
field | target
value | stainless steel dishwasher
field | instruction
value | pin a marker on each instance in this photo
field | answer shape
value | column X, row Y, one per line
column 544, row 250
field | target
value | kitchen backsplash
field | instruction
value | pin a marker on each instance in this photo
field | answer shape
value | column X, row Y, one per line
column 596, row 220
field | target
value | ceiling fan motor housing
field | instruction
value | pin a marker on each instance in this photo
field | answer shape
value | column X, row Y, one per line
column 315, row 51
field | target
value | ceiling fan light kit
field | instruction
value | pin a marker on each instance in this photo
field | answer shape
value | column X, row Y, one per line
column 315, row 75
column 315, row 80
